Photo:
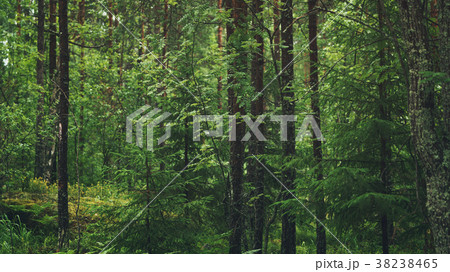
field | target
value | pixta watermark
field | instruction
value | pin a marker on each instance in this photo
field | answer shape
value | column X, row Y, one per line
column 150, row 119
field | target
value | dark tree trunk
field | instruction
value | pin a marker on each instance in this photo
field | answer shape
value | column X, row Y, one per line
column 276, row 42
column 255, row 170
column 147, row 213
column 384, row 139
column 81, row 19
column 165, row 61
column 52, row 41
column 430, row 135
column 288, row 108
column 444, row 57
column 321, row 239
column 79, row 138
column 63, row 177
column 52, row 155
column 238, row 12
column 220, row 45
column 165, row 35
column 110, row 32
column 142, row 47
column 40, row 148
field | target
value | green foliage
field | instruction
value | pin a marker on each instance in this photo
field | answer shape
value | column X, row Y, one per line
column 117, row 180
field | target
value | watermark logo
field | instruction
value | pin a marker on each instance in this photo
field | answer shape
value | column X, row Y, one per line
column 253, row 127
column 146, row 120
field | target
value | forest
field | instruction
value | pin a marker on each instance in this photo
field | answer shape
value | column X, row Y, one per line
column 224, row 126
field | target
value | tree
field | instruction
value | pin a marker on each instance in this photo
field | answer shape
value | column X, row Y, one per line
column 288, row 108
column 63, row 176
column 430, row 134
column 256, row 147
column 53, row 90
column 220, row 46
column 236, row 31
column 276, row 42
column 40, row 152
column 321, row 242
column 385, row 151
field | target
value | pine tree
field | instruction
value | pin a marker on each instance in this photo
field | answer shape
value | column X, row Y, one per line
column 63, row 175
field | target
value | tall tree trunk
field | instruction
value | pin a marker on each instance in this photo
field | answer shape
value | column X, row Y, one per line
column 40, row 154
column 79, row 139
column 276, row 42
column 63, row 177
column 444, row 56
column 110, row 33
column 384, row 139
column 255, row 170
column 165, row 35
column 81, row 19
column 143, row 43
column 288, row 108
column 220, row 46
column 321, row 239
column 430, row 135
column 52, row 155
column 235, row 33
column 52, row 41
column 147, row 214
column 165, row 61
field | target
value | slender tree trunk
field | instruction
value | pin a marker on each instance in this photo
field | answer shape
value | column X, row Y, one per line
column 270, row 221
column 52, row 41
column 276, row 42
column 142, row 48
column 238, row 12
column 220, row 45
column 40, row 154
column 288, row 108
column 276, row 29
column 165, row 60
column 321, row 239
column 255, row 170
column 147, row 215
column 63, row 177
column 52, row 155
column 79, row 140
column 430, row 135
column 384, row 149
column 110, row 32
column 444, row 57
column 165, row 35
column 81, row 20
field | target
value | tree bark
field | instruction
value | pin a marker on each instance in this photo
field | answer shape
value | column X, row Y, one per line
column 63, row 177
column 40, row 154
column 384, row 139
column 430, row 134
column 235, row 33
column 321, row 242
column 110, row 33
column 444, row 56
column 276, row 42
column 288, row 108
column 255, row 170
column 52, row 155
column 220, row 46
column 81, row 20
